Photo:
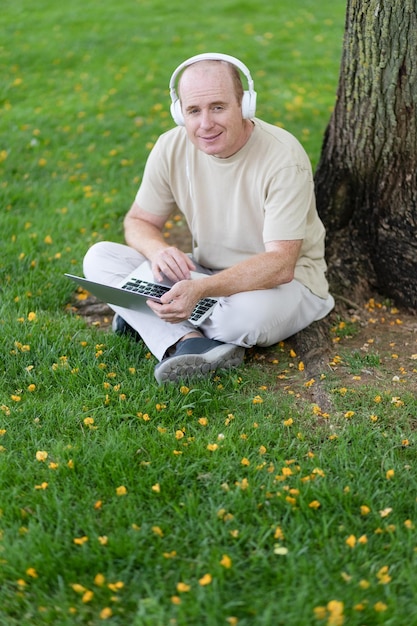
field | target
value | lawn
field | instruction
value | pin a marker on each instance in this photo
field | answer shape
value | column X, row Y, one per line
column 235, row 500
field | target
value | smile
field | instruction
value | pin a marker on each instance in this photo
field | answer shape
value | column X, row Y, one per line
column 210, row 139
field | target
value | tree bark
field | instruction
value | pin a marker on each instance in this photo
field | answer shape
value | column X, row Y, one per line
column 366, row 179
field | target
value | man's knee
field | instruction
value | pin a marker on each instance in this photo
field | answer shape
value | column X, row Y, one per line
column 94, row 257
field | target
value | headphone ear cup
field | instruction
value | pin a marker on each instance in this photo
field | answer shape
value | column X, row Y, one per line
column 248, row 104
column 176, row 112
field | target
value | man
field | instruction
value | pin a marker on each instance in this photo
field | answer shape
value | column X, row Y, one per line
column 246, row 190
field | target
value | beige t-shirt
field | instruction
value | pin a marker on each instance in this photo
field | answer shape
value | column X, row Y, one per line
column 233, row 206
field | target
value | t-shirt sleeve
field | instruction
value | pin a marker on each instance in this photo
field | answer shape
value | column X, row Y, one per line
column 288, row 202
column 155, row 193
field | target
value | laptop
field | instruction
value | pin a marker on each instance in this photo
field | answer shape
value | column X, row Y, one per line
column 139, row 286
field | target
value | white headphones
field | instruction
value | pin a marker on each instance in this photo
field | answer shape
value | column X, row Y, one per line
column 249, row 97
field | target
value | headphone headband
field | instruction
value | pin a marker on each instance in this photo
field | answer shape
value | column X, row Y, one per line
column 249, row 97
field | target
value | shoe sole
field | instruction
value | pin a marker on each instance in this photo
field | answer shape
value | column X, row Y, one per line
column 183, row 366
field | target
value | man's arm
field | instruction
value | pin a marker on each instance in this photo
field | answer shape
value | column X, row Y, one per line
column 266, row 270
column 143, row 232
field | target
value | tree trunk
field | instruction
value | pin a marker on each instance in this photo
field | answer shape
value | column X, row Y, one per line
column 366, row 180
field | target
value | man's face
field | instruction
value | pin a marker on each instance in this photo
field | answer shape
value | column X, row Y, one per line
column 212, row 114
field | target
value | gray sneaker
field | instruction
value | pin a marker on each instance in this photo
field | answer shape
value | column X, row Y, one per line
column 198, row 357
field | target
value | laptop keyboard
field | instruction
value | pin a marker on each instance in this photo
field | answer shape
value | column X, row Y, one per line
column 152, row 290
column 155, row 291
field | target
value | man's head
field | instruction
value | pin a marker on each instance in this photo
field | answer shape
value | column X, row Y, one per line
column 210, row 93
column 249, row 96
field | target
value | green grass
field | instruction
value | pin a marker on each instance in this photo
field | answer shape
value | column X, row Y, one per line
column 237, row 477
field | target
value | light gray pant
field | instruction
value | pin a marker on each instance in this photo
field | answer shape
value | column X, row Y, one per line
column 249, row 318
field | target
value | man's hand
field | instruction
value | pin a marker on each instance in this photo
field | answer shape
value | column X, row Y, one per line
column 172, row 263
column 144, row 233
column 178, row 303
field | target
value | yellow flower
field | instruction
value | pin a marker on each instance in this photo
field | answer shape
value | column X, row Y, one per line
column 364, row 584
column 116, row 586
column 88, row 596
column 205, row 580
column 349, row 414
column 390, row 474
column 351, row 541
column 32, row 572
column 157, row 531
column 103, row 540
column 383, row 577
column 183, row 587
column 244, row 484
column 32, row 316
column 257, row 400
column 320, row 612
column 315, row 504
column 99, row 580
column 121, row 491
column 203, row 421
column 288, row 422
column 41, row 455
column 179, row 434
column 365, row 509
column 212, row 447
column 79, row 541
column 169, row 555
column 106, row 613
column 226, row 561
column 278, row 534
column 335, row 608
column 245, row 461
column 176, row 600
column 156, row 488
column 380, row 607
